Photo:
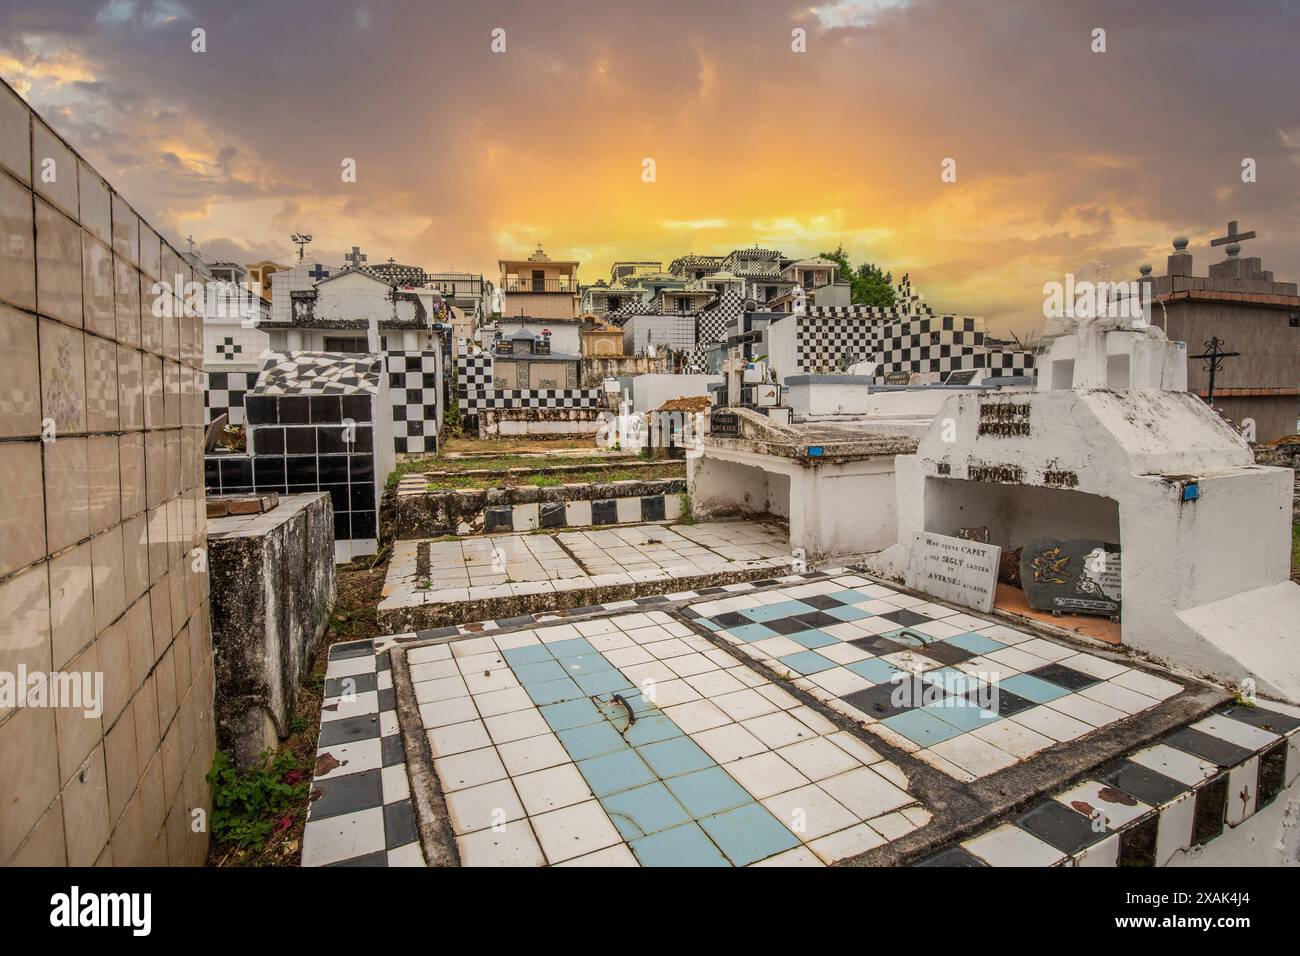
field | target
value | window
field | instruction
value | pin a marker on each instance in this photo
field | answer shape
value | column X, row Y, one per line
column 346, row 343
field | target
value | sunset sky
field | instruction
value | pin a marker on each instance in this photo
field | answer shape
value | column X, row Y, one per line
column 1064, row 157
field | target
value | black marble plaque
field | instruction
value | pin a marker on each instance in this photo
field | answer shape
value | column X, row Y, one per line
column 1079, row 576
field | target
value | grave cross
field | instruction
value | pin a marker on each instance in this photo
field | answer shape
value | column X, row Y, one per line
column 190, row 241
column 300, row 239
column 1214, row 356
column 1233, row 235
column 319, row 272
column 355, row 257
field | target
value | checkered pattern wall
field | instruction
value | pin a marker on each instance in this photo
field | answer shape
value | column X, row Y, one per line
column 223, row 394
column 474, row 390
column 413, row 386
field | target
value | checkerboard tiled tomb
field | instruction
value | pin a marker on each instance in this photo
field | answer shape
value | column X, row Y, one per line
column 475, row 391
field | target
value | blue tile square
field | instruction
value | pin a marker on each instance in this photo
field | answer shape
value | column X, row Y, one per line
column 585, row 664
column 573, row 647
column 604, row 682
column 644, row 810
column 538, row 673
column 813, row 638
column 572, row 713
column 961, row 713
column 1032, row 688
column 672, row 758
column 850, row 596
column 807, row 662
column 874, row 670
column 921, row 727
column 710, row 791
column 529, row 654
column 752, row 632
column 772, row 612
column 554, row 691
column 749, row 833
column 709, row 623
column 847, row 613
column 976, row 643
column 612, row 773
column 593, row 740
column 650, row 729
column 685, row 845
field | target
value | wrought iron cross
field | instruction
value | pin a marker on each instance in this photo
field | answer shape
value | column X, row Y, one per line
column 300, row 240
column 1214, row 356
column 1233, row 235
column 355, row 257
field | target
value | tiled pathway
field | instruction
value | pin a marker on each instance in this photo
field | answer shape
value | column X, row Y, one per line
column 503, row 566
column 965, row 695
column 631, row 739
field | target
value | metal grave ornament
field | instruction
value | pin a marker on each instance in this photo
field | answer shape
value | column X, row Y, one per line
column 1079, row 576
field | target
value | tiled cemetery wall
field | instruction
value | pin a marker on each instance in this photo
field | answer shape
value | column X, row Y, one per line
column 101, row 514
column 899, row 343
column 475, row 392
column 413, row 384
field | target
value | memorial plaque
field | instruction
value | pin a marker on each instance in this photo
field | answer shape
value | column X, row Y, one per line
column 898, row 378
column 954, row 569
column 1079, row 576
column 724, row 423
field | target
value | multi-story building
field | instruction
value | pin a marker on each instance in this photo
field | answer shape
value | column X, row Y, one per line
column 541, row 294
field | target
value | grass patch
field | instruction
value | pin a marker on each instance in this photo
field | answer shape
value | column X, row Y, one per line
column 249, row 807
column 1295, row 549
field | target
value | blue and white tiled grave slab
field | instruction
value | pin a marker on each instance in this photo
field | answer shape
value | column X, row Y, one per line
column 965, row 695
column 631, row 740
column 360, row 812
column 1152, row 805
column 502, row 566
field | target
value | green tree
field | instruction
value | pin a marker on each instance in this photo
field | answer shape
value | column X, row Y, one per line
column 868, row 283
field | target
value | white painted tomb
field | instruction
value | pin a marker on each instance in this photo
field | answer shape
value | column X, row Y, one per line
column 1204, row 532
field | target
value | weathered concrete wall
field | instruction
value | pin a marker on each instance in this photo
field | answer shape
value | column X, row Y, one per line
column 273, row 588
column 540, row 422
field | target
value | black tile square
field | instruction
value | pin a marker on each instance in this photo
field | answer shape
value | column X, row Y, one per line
column 652, row 508
column 212, row 474
column 1214, row 749
column 399, row 824
column 358, row 684
column 260, row 410
column 236, row 472
column 947, row 653
column 300, row 441
column 499, row 518
column 1142, row 782
column 552, row 514
column 268, row 440
column 875, row 644
column 1054, row 823
column 1004, row 705
column 905, row 617
column 822, row 602
column 294, row 409
column 377, row 859
column 351, row 649
column 333, row 469
column 816, row 619
column 1272, row 773
column 363, row 526
column 326, row 408
column 302, row 470
column 604, row 511
column 339, row 499
column 387, row 699
column 363, row 439
column 875, row 701
column 268, row 472
column 346, row 794
column 1066, row 677
column 1211, row 805
column 1137, row 843
column 391, row 750
column 342, row 526
column 357, row 408
column 361, row 468
column 788, row 625
column 731, row 619
column 329, row 439
column 363, row 497
column 952, row 856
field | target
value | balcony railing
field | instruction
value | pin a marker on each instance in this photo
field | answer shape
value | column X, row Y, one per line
column 527, row 284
